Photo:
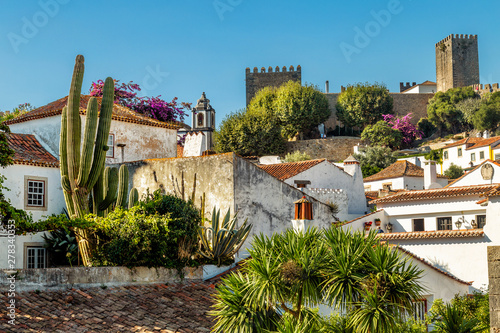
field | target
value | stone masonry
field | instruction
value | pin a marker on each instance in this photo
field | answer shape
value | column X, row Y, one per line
column 333, row 149
column 256, row 81
column 494, row 287
column 457, row 62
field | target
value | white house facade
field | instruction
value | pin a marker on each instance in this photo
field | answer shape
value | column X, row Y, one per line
column 470, row 152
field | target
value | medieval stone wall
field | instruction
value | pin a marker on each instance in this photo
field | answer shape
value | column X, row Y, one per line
column 334, row 149
column 494, row 287
column 256, row 81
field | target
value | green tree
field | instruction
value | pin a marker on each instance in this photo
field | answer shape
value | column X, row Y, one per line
column 373, row 159
column 17, row 111
column 249, row 134
column 296, row 156
column 289, row 274
column 443, row 112
column 426, row 126
column 488, row 115
column 468, row 107
column 435, row 155
column 363, row 104
column 381, row 133
column 454, row 171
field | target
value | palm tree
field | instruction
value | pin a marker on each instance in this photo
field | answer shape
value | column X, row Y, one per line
column 453, row 320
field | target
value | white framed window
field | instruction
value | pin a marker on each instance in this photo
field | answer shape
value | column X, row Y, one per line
column 481, row 221
column 419, row 309
column 497, row 157
column 459, row 152
column 481, row 155
column 444, row 223
column 35, row 255
column 111, row 145
column 387, row 186
column 35, row 193
column 445, row 155
column 473, row 156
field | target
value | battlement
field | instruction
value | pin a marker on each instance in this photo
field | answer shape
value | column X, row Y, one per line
column 403, row 87
column 487, row 88
column 276, row 70
column 456, row 36
column 256, row 80
column 325, row 190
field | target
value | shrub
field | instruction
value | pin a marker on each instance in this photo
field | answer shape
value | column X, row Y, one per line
column 454, row 171
column 382, row 134
column 296, row 156
column 426, row 127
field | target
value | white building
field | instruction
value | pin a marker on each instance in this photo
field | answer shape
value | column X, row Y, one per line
column 470, row 152
column 132, row 136
column 403, row 175
column 326, row 182
column 35, row 186
column 427, row 87
column 449, row 227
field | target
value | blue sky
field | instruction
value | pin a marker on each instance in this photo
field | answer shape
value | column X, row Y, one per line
column 182, row 48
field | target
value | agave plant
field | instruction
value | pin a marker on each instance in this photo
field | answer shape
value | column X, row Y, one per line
column 221, row 240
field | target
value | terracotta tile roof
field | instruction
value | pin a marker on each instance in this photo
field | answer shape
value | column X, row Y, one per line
column 432, row 266
column 466, row 173
column 432, row 234
column 284, row 171
column 371, row 195
column 30, row 152
column 473, row 143
column 366, row 215
column 148, row 308
column 495, row 192
column 120, row 113
column 427, row 83
column 399, row 169
column 439, row 193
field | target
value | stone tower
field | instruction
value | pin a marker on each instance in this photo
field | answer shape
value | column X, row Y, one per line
column 256, row 81
column 457, row 62
column 203, row 119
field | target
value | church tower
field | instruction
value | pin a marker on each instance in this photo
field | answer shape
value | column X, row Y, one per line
column 203, row 119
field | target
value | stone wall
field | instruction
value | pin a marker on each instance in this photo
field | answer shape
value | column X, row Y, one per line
column 256, row 81
column 494, row 287
column 403, row 104
column 334, row 149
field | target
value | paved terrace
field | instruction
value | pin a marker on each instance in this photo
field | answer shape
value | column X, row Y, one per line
column 149, row 308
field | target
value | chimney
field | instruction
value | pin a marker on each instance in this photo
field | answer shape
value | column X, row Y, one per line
column 430, row 175
column 303, row 215
column 327, row 87
column 351, row 165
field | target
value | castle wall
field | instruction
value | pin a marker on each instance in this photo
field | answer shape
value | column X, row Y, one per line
column 403, row 104
column 334, row 149
column 256, row 81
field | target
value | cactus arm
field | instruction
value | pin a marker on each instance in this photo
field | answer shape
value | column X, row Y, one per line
column 98, row 196
column 73, row 121
column 121, row 200
column 102, row 132
column 112, row 184
column 133, row 197
column 88, row 142
column 63, row 163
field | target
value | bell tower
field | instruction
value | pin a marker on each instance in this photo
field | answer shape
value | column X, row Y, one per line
column 203, row 119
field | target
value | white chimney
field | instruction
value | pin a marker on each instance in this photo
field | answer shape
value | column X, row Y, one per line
column 430, row 174
column 327, row 87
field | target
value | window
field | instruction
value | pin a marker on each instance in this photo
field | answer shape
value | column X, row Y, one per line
column 35, row 193
column 35, row 256
column 418, row 225
column 473, row 156
column 419, row 309
column 368, row 187
column 387, row 186
column 444, row 223
column 481, row 221
column 497, row 156
column 481, row 155
column 445, row 155
column 459, row 152
column 111, row 145
column 200, row 119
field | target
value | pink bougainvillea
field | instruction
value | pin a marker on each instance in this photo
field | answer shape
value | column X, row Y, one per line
column 153, row 107
column 409, row 131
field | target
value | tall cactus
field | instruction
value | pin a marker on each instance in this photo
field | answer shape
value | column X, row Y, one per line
column 82, row 171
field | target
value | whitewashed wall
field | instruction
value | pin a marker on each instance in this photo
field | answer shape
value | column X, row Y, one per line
column 474, row 177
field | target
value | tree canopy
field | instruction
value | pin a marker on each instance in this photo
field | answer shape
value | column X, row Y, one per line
column 373, row 159
column 382, row 134
column 487, row 117
column 363, row 104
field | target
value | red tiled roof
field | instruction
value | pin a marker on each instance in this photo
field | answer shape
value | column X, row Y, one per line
column 439, row 193
column 371, row 195
column 495, row 192
column 432, row 234
column 120, row 113
column 366, row 215
column 466, row 173
column 399, row 169
column 176, row 307
column 427, row 83
column 474, row 142
column 422, row 260
column 284, row 171
column 29, row 151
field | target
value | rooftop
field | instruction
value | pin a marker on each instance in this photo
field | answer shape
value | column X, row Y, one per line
column 400, row 168
column 472, row 143
column 120, row 113
column 463, row 233
column 28, row 151
column 439, row 193
column 283, row 171
column 147, row 308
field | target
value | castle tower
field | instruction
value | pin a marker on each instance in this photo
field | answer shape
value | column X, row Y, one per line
column 457, row 62
column 203, row 120
column 256, row 81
